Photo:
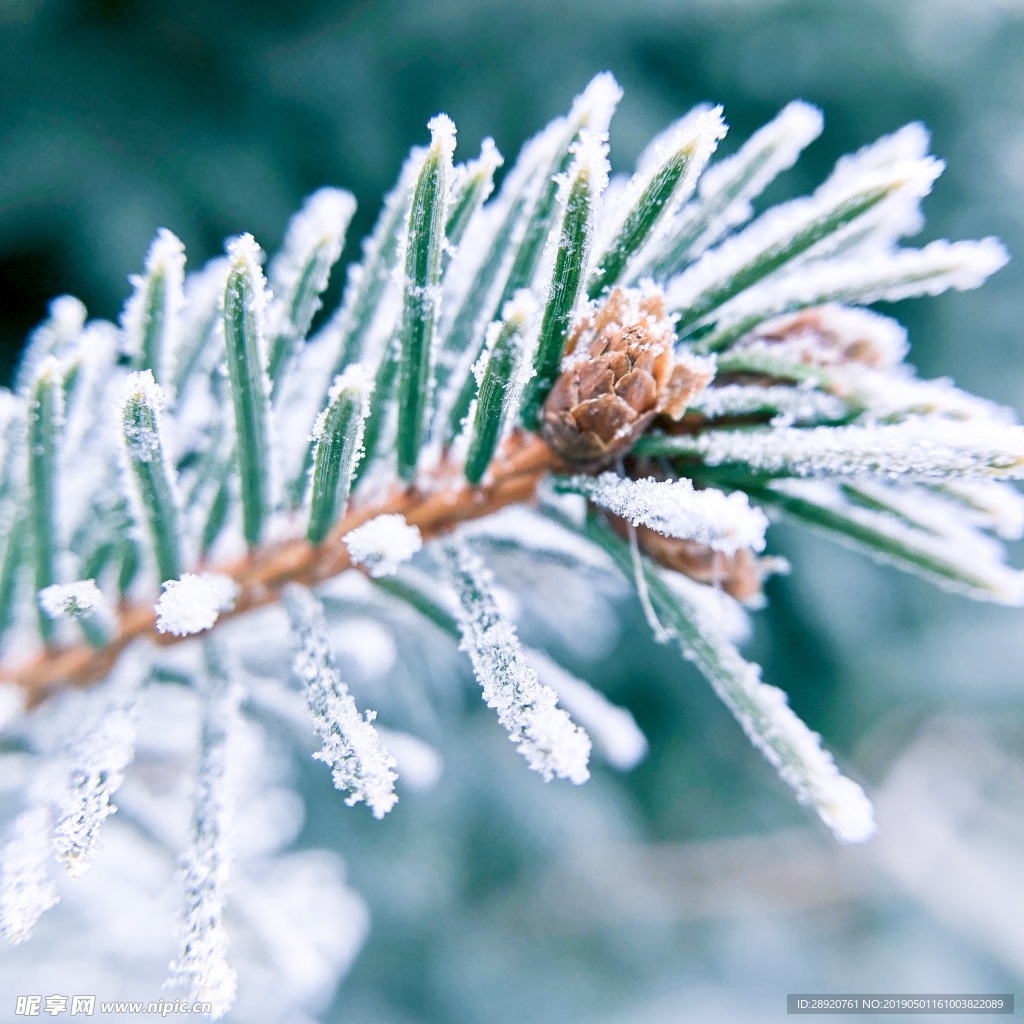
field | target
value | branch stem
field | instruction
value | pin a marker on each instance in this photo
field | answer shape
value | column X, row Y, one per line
column 436, row 505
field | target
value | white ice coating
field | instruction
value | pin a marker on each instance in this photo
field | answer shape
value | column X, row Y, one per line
column 352, row 747
column 483, row 167
column 910, row 142
column 165, row 259
column 141, row 441
column 725, row 522
column 80, row 599
column 898, row 394
column 194, row 602
column 613, row 729
column 790, row 404
column 245, row 254
column 886, row 276
column 27, row 888
column 523, row 312
column 787, row 743
column 383, row 544
column 321, row 223
column 594, row 106
column 356, row 380
column 202, row 965
column 442, row 136
column 543, row 733
column 98, row 762
column 52, row 337
column 697, row 136
column 921, row 448
column 918, row 527
column 988, row 504
column 774, row 228
column 821, row 337
column 775, row 147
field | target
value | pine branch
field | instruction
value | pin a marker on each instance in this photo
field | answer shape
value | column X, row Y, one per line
column 263, row 573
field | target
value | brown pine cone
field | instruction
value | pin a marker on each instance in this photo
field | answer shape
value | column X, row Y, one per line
column 739, row 575
column 619, row 372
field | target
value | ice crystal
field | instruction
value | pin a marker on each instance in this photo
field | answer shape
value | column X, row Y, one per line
column 543, row 733
column 613, row 729
column 352, row 746
column 141, row 436
column 789, row 405
column 193, row 603
column 383, row 544
column 202, row 965
column 79, row 599
column 725, row 522
column 921, row 448
column 98, row 762
column 27, row 888
column 156, row 307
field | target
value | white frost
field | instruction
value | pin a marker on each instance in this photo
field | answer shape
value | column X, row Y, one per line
column 98, row 761
column 612, row 728
column 27, row 888
column 886, row 276
column 193, row 603
column 775, row 228
column 383, row 544
column 352, row 746
column 725, row 522
column 920, row 448
column 80, row 599
column 728, row 187
column 165, row 262
column 766, row 717
column 543, row 733
column 789, row 404
column 141, row 441
column 206, row 864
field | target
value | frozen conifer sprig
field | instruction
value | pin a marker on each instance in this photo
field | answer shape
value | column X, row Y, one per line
column 668, row 352
column 202, row 964
column 543, row 733
column 352, row 747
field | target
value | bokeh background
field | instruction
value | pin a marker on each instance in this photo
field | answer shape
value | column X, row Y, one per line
column 692, row 888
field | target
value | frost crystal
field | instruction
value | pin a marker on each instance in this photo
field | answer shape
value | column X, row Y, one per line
column 767, row 153
column 613, row 729
column 159, row 296
column 321, row 222
column 193, row 603
column 383, row 544
column 773, row 229
column 765, row 716
column 725, row 522
column 790, row 405
column 543, row 733
column 27, row 888
column 917, row 449
column 206, row 864
column 887, row 276
column 76, row 600
column 98, row 761
column 141, row 434
column 351, row 745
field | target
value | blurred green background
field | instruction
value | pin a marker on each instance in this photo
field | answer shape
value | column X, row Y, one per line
column 691, row 889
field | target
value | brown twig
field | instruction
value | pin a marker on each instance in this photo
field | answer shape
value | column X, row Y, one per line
column 435, row 505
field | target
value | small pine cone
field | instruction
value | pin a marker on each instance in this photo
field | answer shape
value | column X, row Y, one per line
column 739, row 575
column 619, row 372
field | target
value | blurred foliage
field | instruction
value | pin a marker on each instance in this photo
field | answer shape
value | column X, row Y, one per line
column 496, row 898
